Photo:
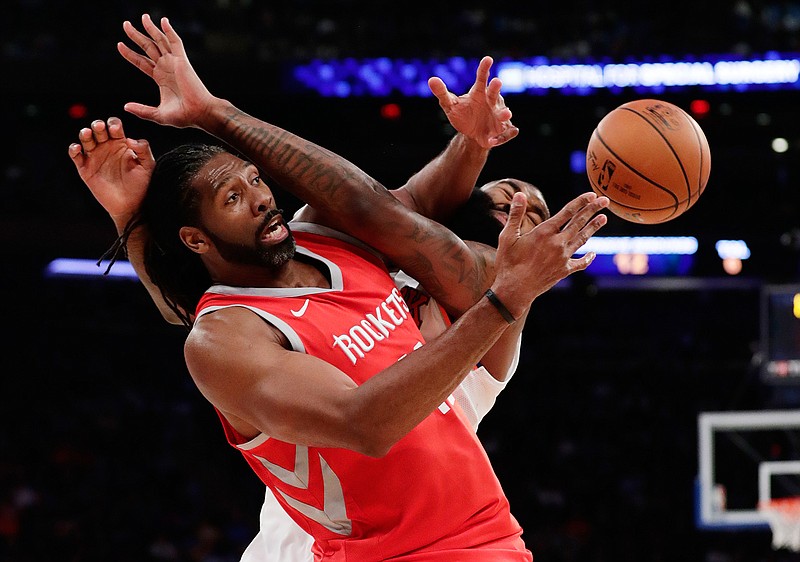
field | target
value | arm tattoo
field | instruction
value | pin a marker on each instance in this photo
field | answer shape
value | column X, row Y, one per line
column 329, row 182
column 307, row 170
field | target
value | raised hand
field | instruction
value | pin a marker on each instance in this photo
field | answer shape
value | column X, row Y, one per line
column 531, row 263
column 184, row 97
column 480, row 114
column 116, row 169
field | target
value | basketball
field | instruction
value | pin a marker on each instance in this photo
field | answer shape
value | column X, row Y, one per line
column 650, row 158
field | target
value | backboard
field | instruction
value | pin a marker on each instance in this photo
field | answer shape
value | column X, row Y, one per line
column 745, row 457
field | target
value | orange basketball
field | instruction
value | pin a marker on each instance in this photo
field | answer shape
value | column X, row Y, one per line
column 650, row 158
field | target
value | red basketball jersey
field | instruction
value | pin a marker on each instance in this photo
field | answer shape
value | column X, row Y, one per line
column 434, row 496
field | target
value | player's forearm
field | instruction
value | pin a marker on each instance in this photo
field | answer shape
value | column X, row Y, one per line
column 135, row 250
column 448, row 180
column 316, row 175
column 394, row 402
column 356, row 204
column 499, row 359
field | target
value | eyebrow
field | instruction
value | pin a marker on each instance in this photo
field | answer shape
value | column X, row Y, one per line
column 218, row 186
column 514, row 185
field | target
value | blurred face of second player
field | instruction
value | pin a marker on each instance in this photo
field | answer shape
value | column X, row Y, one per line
column 502, row 191
column 239, row 215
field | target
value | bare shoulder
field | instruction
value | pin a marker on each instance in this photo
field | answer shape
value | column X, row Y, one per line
column 229, row 352
column 224, row 337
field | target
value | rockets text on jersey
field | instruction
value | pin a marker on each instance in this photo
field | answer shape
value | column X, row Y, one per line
column 362, row 337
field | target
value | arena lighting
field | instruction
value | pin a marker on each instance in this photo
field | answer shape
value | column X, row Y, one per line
column 720, row 75
column 78, row 111
column 72, row 267
column 649, row 245
column 780, row 145
column 539, row 75
column 666, row 255
column 732, row 249
column 577, row 161
column 699, row 108
column 640, row 255
column 390, row 111
column 732, row 253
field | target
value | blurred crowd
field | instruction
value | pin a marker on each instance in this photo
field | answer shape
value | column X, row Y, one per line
column 304, row 29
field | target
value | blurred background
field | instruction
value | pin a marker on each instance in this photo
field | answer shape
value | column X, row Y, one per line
column 107, row 450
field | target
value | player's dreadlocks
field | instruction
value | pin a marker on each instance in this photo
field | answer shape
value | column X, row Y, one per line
column 171, row 203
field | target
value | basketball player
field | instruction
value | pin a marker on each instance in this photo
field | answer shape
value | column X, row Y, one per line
column 481, row 217
column 119, row 170
column 340, row 432
column 115, row 178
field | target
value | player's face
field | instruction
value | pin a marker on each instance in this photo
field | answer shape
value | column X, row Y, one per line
column 502, row 191
column 239, row 214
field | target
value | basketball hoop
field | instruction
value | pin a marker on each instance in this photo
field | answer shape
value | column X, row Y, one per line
column 783, row 516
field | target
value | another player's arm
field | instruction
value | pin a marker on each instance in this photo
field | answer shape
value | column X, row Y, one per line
column 136, row 242
column 499, row 358
column 482, row 121
column 117, row 171
column 446, row 182
column 360, row 205
column 435, row 191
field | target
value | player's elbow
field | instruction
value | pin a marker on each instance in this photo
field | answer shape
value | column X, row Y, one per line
column 372, row 442
column 372, row 426
column 371, row 437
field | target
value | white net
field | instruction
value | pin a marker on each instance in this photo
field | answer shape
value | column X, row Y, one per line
column 783, row 516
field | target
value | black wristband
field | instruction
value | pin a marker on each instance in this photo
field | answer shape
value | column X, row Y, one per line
column 501, row 308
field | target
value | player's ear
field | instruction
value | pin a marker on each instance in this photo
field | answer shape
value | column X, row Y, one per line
column 194, row 239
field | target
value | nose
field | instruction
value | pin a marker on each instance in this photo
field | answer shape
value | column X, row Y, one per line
column 262, row 202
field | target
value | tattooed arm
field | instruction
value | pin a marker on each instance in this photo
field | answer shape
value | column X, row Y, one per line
column 361, row 206
column 482, row 121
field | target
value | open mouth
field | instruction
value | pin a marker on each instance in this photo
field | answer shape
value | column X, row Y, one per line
column 275, row 231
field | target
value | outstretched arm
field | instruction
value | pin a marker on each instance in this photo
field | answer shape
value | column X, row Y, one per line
column 117, row 171
column 482, row 121
column 358, row 204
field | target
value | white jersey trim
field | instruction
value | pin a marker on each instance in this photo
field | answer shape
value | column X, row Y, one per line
column 334, row 272
column 283, row 327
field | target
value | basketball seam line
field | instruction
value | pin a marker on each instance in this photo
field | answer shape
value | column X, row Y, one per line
column 697, row 133
column 672, row 149
column 635, row 171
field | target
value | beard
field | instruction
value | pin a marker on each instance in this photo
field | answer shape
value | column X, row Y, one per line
column 474, row 220
column 270, row 256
